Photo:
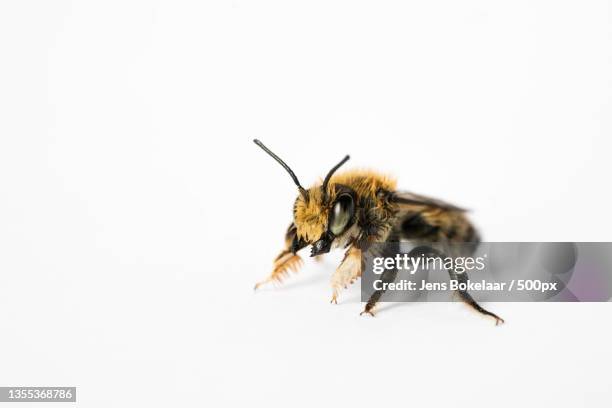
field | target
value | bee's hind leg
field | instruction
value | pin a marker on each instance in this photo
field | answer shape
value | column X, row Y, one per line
column 464, row 294
column 469, row 300
column 287, row 260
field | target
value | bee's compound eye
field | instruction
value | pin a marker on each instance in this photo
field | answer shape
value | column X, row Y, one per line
column 341, row 214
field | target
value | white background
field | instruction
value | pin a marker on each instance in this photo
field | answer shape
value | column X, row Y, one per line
column 136, row 214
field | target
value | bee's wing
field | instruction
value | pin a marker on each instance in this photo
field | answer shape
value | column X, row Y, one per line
column 406, row 198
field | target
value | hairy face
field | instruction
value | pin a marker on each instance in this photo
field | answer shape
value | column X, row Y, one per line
column 321, row 213
column 310, row 215
column 322, row 218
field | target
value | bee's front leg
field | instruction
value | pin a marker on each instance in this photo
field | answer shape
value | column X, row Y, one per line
column 347, row 272
column 287, row 260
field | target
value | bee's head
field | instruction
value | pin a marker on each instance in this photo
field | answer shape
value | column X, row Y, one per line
column 325, row 216
column 322, row 213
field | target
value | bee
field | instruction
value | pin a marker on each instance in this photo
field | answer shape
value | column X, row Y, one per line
column 354, row 209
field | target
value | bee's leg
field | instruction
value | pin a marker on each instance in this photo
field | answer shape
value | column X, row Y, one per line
column 463, row 294
column 347, row 272
column 469, row 300
column 388, row 276
column 287, row 260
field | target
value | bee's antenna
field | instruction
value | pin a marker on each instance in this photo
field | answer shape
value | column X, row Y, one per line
column 331, row 172
column 282, row 163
